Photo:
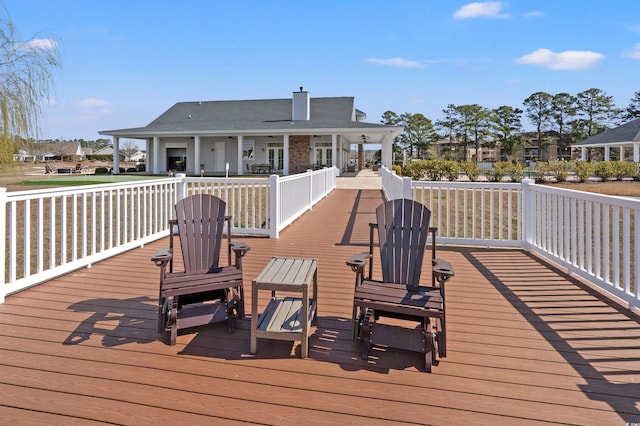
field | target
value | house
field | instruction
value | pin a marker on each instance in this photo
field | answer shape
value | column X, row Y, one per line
column 621, row 137
column 70, row 151
column 285, row 135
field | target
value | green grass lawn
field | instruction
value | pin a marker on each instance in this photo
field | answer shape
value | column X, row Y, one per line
column 79, row 180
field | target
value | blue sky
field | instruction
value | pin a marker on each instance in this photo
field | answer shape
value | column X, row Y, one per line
column 126, row 62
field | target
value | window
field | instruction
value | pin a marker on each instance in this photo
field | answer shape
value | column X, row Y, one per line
column 248, row 149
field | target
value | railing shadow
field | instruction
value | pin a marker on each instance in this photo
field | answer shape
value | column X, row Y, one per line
column 118, row 321
column 356, row 231
column 547, row 308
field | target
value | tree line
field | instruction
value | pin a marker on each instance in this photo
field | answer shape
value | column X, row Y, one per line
column 568, row 118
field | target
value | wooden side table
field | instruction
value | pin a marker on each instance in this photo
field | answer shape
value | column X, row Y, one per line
column 285, row 318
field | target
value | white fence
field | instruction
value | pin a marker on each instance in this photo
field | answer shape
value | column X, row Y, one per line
column 47, row 233
column 596, row 237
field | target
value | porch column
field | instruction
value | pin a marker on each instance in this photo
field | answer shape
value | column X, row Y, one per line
column 607, row 153
column 360, row 156
column 241, row 153
column 334, row 152
column 196, row 155
column 583, row 153
column 116, row 155
column 156, row 155
column 387, row 151
column 621, row 157
column 285, row 166
column 147, row 148
column 636, row 152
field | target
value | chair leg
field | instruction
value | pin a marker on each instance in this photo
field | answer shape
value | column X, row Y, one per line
column 162, row 315
column 355, row 329
column 241, row 311
column 231, row 303
column 429, row 350
column 441, row 339
column 173, row 321
column 365, row 337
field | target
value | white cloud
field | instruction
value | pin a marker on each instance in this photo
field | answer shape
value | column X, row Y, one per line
column 93, row 102
column 633, row 53
column 633, row 28
column 396, row 62
column 567, row 60
column 38, row 43
column 533, row 14
column 489, row 9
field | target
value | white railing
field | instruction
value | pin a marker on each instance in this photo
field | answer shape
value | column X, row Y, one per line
column 51, row 232
column 596, row 237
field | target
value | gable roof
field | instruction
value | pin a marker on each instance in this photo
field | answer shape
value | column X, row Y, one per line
column 251, row 116
column 627, row 133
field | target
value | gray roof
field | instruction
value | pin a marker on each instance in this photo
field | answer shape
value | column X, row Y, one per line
column 627, row 133
column 268, row 115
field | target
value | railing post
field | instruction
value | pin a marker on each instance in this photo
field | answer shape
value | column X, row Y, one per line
column 181, row 186
column 3, row 242
column 406, row 188
column 310, row 177
column 528, row 214
column 274, row 206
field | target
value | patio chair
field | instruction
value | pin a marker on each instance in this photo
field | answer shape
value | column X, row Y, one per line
column 205, row 292
column 403, row 228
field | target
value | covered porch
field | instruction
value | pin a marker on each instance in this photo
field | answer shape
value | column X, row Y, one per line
column 528, row 344
column 241, row 154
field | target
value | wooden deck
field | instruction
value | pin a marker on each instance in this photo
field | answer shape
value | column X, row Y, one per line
column 527, row 345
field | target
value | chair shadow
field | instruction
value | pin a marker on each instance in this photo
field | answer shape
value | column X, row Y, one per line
column 118, row 321
column 329, row 342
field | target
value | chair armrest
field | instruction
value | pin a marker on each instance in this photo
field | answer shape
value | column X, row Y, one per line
column 240, row 248
column 357, row 262
column 442, row 270
column 162, row 257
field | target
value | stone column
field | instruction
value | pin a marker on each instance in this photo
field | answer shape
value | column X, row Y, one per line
column 360, row 156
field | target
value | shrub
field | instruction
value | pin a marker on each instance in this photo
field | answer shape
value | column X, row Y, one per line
column 498, row 171
column 559, row 169
column 450, row 169
column 432, row 169
column 101, row 171
column 541, row 169
column 414, row 169
column 396, row 168
column 582, row 170
column 516, row 171
column 605, row 170
column 471, row 169
column 625, row 169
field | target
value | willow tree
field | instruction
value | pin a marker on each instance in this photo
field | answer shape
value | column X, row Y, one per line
column 26, row 80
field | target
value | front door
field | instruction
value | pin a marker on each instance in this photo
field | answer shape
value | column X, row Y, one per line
column 219, row 157
column 275, row 155
column 177, row 159
column 324, row 154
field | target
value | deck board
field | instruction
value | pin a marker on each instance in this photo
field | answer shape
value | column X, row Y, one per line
column 527, row 344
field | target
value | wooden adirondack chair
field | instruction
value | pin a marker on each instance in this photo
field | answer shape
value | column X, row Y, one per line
column 205, row 292
column 403, row 229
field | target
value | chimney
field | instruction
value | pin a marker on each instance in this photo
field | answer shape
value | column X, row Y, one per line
column 301, row 105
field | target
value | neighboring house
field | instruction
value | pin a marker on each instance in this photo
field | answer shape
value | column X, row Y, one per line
column 136, row 157
column 69, row 151
column 287, row 135
column 621, row 137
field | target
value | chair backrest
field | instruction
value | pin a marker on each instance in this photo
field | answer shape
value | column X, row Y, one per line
column 403, row 227
column 200, row 219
